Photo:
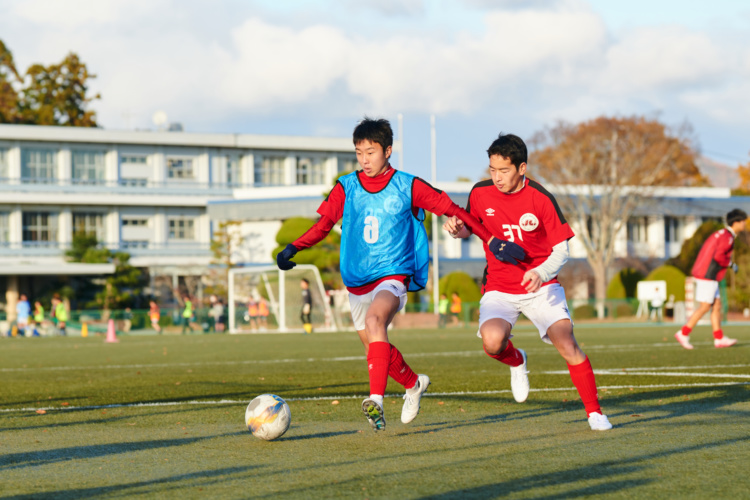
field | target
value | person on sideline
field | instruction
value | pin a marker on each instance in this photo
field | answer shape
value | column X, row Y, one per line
column 23, row 311
column 443, row 305
column 526, row 213
column 305, row 314
column 154, row 313
column 455, row 308
column 384, row 253
column 709, row 269
column 60, row 314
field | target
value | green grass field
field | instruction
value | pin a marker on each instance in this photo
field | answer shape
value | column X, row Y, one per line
column 162, row 416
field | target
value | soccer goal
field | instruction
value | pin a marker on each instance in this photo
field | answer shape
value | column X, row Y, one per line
column 266, row 299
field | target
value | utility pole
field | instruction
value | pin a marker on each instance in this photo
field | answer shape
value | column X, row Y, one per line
column 435, row 250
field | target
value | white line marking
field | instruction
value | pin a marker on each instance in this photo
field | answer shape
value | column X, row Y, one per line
column 396, row 396
column 655, row 373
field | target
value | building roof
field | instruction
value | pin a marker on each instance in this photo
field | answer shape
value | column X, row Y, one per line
column 159, row 138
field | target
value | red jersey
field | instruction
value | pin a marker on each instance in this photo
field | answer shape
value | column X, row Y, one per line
column 715, row 256
column 530, row 218
column 423, row 196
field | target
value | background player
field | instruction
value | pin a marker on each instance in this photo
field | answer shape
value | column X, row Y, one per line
column 710, row 267
column 305, row 315
column 384, row 253
column 524, row 212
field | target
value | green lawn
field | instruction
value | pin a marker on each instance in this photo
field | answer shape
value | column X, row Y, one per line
column 163, row 416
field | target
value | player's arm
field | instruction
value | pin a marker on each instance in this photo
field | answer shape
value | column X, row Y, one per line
column 427, row 197
column 533, row 279
column 330, row 212
column 724, row 248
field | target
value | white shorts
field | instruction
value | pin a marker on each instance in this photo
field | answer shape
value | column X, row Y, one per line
column 544, row 308
column 361, row 303
column 706, row 291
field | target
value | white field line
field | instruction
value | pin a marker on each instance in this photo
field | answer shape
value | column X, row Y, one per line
column 397, row 396
column 317, row 360
column 654, row 373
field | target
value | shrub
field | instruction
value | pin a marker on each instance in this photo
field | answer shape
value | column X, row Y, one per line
column 461, row 283
column 586, row 311
column 624, row 284
column 674, row 277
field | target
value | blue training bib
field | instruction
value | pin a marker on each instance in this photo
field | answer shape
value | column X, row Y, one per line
column 380, row 235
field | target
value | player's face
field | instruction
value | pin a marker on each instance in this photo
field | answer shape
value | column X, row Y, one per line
column 506, row 177
column 372, row 158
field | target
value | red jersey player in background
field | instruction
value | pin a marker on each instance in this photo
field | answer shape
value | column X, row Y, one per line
column 709, row 268
column 525, row 213
column 383, row 294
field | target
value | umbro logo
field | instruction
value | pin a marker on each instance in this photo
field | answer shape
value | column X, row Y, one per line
column 490, row 212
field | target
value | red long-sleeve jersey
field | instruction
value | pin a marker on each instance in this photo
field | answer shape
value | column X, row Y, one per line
column 423, row 196
column 715, row 256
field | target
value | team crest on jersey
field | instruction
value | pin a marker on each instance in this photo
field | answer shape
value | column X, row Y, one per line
column 393, row 205
column 528, row 222
column 490, row 212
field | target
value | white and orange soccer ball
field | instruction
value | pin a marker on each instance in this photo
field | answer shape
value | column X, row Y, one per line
column 268, row 417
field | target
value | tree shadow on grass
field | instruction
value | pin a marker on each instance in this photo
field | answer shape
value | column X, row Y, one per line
column 46, row 457
column 164, row 484
column 606, row 470
column 645, row 403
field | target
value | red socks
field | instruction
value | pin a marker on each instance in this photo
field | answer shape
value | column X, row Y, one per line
column 718, row 334
column 510, row 356
column 400, row 371
column 378, row 359
column 582, row 376
column 686, row 330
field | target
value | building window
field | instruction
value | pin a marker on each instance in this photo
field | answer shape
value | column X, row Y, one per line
column 638, row 229
column 134, row 170
column 4, row 227
column 89, row 223
column 310, row 170
column 180, row 168
column 3, row 163
column 234, row 175
column 181, row 229
column 38, row 165
column 39, row 227
column 269, row 170
column 672, row 230
column 88, row 167
column 348, row 164
column 135, row 222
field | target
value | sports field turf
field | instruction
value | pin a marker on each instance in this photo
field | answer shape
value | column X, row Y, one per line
column 162, row 416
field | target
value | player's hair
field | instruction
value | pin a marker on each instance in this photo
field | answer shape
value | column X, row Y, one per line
column 509, row 146
column 736, row 215
column 306, row 281
column 377, row 131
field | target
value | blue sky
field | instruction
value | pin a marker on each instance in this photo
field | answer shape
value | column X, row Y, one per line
column 481, row 66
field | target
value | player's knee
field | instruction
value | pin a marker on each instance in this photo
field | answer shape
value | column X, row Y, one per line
column 374, row 322
column 494, row 345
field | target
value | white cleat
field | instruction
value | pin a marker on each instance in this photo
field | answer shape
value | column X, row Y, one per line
column 683, row 340
column 412, row 398
column 519, row 380
column 724, row 342
column 599, row 422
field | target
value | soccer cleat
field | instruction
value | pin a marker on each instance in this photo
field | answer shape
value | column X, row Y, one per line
column 599, row 422
column 374, row 413
column 411, row 399
column 683, row 340
column 519, row 380
column 724, row 342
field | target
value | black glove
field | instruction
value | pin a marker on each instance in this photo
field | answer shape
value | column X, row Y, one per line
column 507, row 251
column 282, row 258
column 734, row 266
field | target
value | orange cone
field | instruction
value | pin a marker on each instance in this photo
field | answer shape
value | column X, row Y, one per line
column 84, row 330
column 111, row 334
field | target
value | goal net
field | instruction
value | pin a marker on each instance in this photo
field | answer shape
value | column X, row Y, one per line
column 265, row 299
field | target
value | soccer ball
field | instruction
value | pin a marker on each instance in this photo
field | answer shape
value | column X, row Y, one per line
column 268, row 417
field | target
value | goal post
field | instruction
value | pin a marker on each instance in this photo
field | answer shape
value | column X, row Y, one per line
column 252, row 287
